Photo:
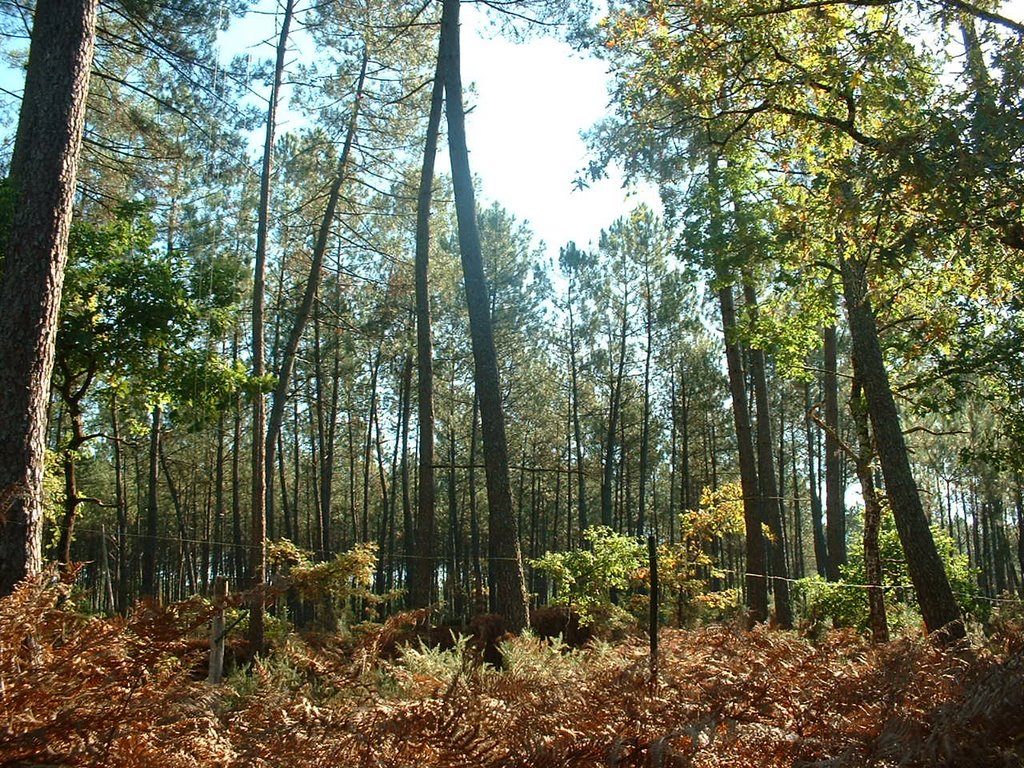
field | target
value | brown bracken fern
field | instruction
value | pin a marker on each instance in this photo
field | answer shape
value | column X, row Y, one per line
column 85, row 691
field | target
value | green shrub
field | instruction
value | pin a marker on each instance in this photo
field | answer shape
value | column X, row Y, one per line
column 587, row 579
column 845, row 602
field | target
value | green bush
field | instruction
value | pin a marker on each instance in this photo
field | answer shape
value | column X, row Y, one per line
column 587, row 579
column 845, row 602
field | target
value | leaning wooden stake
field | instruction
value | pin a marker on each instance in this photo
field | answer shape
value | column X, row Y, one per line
column 217, row 633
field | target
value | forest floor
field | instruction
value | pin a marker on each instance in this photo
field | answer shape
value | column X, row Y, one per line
column 78, row 690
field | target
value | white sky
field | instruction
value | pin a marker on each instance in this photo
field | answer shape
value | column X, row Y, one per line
column 531, row 102
column 528, row 104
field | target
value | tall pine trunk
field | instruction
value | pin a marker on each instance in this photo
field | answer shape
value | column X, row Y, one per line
column 614, row 410
column 768, row 492
column 510, row 599
column 756, row 570
column 260, row 472
column 149, row 539
column 421, row 561
column 938, row 606
column 42, row 174
column 835, row 504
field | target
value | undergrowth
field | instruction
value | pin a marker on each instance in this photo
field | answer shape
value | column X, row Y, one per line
column 78, row 690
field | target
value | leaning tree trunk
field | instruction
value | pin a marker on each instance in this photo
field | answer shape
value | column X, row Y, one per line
column 42, row 175
column 280, row 395
column 935, row 596
column 510, row 597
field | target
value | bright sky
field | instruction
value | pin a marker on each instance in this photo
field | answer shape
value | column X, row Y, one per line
column 530, row 104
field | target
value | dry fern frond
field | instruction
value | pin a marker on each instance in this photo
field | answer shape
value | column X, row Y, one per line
column 77, row 691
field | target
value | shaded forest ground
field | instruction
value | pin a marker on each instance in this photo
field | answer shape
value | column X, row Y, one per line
column 78, row 690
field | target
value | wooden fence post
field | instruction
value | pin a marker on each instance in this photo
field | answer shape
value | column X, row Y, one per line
column 217, row 633
column 652, row 556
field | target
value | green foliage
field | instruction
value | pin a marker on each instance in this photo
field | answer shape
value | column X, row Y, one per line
column 845, row 602
column 586, row 578
column 688, row 568
column 442, row 664
column 136, row 318
column 347, row 574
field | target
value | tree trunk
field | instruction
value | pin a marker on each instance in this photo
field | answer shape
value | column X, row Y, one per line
column 1018, row 504
column 72, row 397
column 510, row 587
column 756, row 581
column 42, row 174
column 327, row 428
column 421, row 565
column 280, row 394
column 123, row 577
column 771, row 503
column 262, row 470
column 673, row 418
column 218, row 503
column 238, row 554
column 614, row 408
column 818, row 530
column 577, row 431
column 835, row 503
column 187, row 558
column 756, row 571
column 645, row 427
column 799, row 567
column 371, row 419
column 877, row 620
column 938, row 606
column 474, row 523
column 149, row 585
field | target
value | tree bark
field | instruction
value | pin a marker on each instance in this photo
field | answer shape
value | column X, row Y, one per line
column 756, row 570
column 510, row 587
column 262, row 470
column 421, row 564
column 817, row 529
column 149, row 578
column 877, row 620
column 756, row 578
column 42, row 174
column 835, row 503
column 768, row 492
column 938, row 605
